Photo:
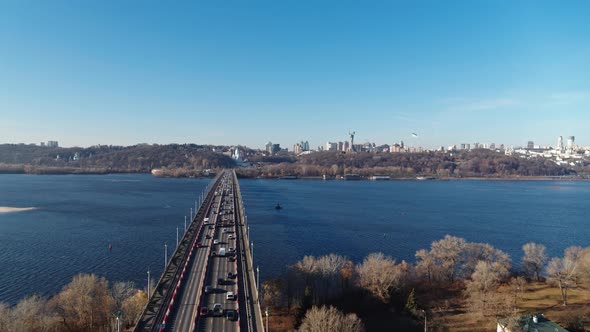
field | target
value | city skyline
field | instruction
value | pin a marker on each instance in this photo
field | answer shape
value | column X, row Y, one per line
column 112, row 73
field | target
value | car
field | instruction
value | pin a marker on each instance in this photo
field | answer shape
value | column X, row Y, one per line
column 220, row 281
column 199, row 245
column 213, row 254
column 232, row 258
column 217, row 309
column 208, row 289
column 204, row 311
column 230, row 296
column 231, row 237
column 230, row 275
column 207, row 236
column 225, row 230
column 231, row 315
column 216, row 241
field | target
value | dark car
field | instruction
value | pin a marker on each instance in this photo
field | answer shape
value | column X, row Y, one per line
column 204, row 311
column 220, row 281
column 230, row 275
column 231, row 315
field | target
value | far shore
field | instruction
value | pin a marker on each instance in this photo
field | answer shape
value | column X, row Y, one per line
column 480, row 178
column 7, row 209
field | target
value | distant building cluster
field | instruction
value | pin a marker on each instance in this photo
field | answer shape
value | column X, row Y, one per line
column 272, row 149
column 301, row 147
column 50, row 144
column 564, row 153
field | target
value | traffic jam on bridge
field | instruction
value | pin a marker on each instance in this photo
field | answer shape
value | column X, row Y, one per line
column 210, row 287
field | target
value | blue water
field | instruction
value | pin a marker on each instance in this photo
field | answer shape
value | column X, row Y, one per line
column 79, row 215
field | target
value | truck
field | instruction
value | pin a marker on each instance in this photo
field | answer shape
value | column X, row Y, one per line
column 222, row 252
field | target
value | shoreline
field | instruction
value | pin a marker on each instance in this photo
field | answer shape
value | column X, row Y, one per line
column 319, row 178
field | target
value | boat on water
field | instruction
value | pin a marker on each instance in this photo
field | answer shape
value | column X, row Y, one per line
column 278, row 206
column 425, row 178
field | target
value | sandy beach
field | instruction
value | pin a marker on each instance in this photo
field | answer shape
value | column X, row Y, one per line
column 8, row 209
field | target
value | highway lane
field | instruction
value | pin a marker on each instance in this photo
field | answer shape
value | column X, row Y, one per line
column 219, row 268
column 185, row 312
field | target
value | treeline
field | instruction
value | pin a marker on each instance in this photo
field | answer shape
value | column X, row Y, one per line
column 474, row 271
column 476, row 163
column 87, row 303
column 189, row 158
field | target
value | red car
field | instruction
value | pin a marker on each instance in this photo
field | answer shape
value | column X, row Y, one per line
column 204, row 311
column 199, row 245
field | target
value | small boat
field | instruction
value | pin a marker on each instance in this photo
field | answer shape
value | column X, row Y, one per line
column 278, row 206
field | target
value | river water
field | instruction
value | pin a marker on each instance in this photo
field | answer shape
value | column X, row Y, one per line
column 78, row 216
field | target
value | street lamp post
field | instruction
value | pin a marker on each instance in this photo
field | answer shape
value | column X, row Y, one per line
column 267, row 314
column 148, row 287
column 185, row 224
column 191, row 213
column 252, row 252
column 165, row 255
column 425, row 321
column 257, row 280
column 176, row 237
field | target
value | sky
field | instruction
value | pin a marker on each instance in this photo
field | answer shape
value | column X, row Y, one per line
column 248, row 72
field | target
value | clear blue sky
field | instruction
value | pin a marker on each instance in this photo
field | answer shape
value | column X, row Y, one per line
column 246, row 72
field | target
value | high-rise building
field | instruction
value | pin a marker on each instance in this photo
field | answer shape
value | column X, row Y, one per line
column 269, row 147
column 570, row 142
column 346, row 146
column 52, row 144
column 305, row 145
column 530, row 145
column 330, row 146
column 559, row 143
column 340, row 146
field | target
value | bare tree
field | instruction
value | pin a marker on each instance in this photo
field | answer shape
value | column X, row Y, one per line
column 564, row 272
column 448, row 254
column 31, row 314
column 534, row 260
column 476, row 252
column 120, row 292
column 330, row 319
column 133, row 307
column 5, row 314
column 484, row 281
column 84, row 304
column 380, row 275
column 425, row 264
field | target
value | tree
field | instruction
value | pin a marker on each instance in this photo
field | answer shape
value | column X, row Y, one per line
column 330, row 319
column 84, row 304
column 380, row 275
column 476, row 252
column 425, row 264
column 411, row 305
column 563, row 272
column 534, row 260
column 447, row 253
column 484, row 280
column 133, row 307
column 31, row 314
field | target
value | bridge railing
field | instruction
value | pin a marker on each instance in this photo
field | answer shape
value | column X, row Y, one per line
column 158, row 305
column 256, row 323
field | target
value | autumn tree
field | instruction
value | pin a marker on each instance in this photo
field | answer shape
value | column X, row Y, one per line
column 563, row 272
column 534, row 260
column 84, row 304
column 484, row 281
column 379, row 275
column 447, row 253
column 330, row 319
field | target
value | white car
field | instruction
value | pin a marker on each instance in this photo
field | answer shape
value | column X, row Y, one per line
column 231, row 237
column 215, row 241
column 230, row 296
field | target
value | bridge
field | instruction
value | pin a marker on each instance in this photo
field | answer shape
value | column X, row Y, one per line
column 209, row 283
